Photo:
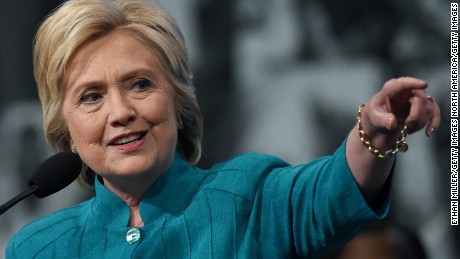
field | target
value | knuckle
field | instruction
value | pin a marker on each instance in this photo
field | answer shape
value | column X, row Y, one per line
column 390, row 83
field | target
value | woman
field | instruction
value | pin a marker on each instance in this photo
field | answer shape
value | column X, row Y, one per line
column 116, row 88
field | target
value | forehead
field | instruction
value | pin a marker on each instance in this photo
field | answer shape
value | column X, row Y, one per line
column 119, row 49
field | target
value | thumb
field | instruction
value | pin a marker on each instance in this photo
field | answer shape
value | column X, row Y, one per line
column 380, row 117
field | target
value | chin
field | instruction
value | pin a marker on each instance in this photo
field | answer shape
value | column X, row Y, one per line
column 133, row 167
column 140, row 165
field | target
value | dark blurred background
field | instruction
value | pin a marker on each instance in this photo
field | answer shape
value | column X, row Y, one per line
column 283, row 77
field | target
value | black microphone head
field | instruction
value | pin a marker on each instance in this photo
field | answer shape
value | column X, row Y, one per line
column 55, row 173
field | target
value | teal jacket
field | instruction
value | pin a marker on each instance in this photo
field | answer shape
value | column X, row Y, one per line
column 252, row 206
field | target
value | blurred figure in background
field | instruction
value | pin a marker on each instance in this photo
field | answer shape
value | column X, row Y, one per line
column 382, row 240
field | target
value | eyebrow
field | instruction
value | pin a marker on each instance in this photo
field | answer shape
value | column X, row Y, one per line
column 131, row 74
column 93, row 84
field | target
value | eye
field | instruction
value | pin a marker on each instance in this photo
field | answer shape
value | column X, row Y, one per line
column 90, row 97
column 142, row 85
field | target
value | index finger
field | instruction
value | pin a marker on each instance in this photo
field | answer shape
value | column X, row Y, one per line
column 397, row 86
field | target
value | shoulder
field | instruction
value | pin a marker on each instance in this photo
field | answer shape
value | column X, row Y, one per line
column 39, row 233
column 251, row 162
column 241, row 175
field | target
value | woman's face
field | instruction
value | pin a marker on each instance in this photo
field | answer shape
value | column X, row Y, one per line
column 119, row 107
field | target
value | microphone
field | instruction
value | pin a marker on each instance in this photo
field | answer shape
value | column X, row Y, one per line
column 53, row 175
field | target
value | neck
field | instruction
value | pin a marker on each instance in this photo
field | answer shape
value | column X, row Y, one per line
column 135, row 219
column 131, row 192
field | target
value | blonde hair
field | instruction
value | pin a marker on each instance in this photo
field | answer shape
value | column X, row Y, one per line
column 76, row 22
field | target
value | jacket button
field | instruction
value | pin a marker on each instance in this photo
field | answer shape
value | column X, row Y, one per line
column 133, row 235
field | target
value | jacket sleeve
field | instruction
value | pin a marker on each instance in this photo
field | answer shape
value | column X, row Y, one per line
column 312, row 208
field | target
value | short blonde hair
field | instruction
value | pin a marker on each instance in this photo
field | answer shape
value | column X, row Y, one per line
column 76, row 22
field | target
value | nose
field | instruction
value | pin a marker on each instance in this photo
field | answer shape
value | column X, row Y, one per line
column 121, row 110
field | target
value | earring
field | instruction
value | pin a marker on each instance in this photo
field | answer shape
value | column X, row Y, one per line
column 74, row 148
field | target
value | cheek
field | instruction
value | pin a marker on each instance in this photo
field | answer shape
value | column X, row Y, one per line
column 161, row 111
column 83, row 129
column 163, row 116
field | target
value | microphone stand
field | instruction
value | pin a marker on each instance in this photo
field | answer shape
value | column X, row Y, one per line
column 18, row 198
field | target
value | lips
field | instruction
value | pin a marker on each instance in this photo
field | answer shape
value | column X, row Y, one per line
column 127, row 138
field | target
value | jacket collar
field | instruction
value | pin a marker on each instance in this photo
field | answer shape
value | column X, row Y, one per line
column 169, row 194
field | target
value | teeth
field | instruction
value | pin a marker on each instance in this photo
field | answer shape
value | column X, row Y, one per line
column 127, row 139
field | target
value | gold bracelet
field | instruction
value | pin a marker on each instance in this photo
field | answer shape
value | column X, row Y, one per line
column 400, row 144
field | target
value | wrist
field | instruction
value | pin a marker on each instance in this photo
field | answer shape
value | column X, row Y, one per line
column 380, row 141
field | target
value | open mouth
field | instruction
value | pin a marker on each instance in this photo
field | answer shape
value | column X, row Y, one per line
column 128, row 139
